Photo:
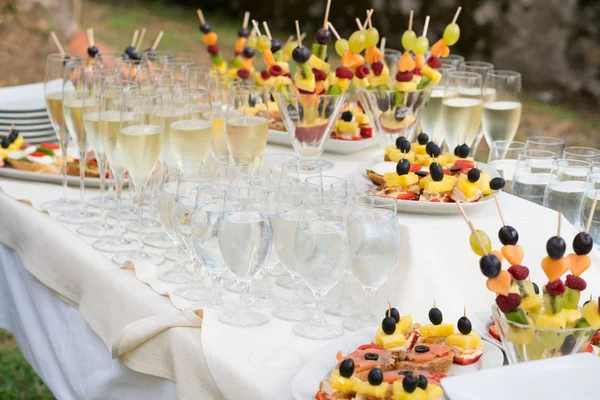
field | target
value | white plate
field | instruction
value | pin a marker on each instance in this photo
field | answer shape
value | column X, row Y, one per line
column 331, row 145
column 22, row 98
column 423, row 207
column 23, row 124
column 8, row 172
column 571, row 377
column 306, row 383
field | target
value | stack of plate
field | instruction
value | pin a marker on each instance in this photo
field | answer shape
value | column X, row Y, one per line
column 26, row 107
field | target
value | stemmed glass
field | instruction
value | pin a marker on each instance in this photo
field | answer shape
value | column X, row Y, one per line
column 157, row 60
column 502, row 114
column 432, row 113
column 135, row 134
column 200, row 77
column 453, row 60
column 178, row 66
column 220, row 96
column 321, row 254
column 569, row 180
column 374, row 245
column 245, row 239
column 111, row 119
column 53, row 93
column 547, row 143
column 533, row 174
column 285, row 223
column 581, row 153
column 164, row 204
column 309, row 120
column 76, row 84
column 586, row 209
column 461, row 108
column 503, row 157
column 274, row 162
column 232, row 168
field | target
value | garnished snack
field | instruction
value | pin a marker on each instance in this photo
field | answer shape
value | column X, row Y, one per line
column 466, row 343
column 437, row 331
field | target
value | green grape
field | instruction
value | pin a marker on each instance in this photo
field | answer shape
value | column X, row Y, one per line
column 409, row 40
column 451, row 34
column 356, row 42
column 289, row 48
column 341, row 46
column 371, row 37
column 263, row 43
column 422, row 45
column 251, row 42
column 475, row 244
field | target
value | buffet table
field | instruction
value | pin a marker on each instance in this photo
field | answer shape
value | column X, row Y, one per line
column 72, row 310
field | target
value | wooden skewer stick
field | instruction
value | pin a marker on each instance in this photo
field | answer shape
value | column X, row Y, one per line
column 335, row 33
column 157, row 41
column 473, row 230
column 135, row 36
column 298, row 33
column 456, row 15
column 499, row 209
column 200, row 16
column 389, row 313
column 92, row 36
column 246, row 19
column 139, row 43
column 289, row 39
column 12, row 126
column 382, row 46
column 426, row 26
column 370, row 14
column 591, row 217
column 359, row 24
column 267, row 31
column 465, row 311
column 559, row 222
column 61, row 50
column 303, row 36
column 434, row 304
column 410, row 20
column 256, row 27
column 326, row 14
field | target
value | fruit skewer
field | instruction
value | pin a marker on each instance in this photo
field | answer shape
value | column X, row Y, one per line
column 92, row 50
column 210, row 39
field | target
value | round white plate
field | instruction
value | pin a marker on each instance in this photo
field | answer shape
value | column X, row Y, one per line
column 306, row 383
column 331, row 145
column 424, row 207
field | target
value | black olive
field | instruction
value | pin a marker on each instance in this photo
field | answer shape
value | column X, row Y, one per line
column 423, row 138
column 347, row 116
column 403, row 167
column 463, row 151
column 409, row 383
column 347, row 368
column 497, row 183
column 371, row 356
column 388, row 325
column 14, row 134
column 473, row 175
column 421, row 348
column 421, row 174
column 5, row 142
column 464, row 325
column 422, row 382
column 436, row 171
column 395, row 314
column 435, row 316
column 375, row 377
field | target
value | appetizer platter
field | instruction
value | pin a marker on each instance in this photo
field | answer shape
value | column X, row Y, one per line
column 401, row 359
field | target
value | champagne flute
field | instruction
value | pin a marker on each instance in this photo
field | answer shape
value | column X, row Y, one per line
column 111, row 119
column 110, row 62
column 502, row 114
column 432, row 113
column 533, row 174
column 140, row 141
column 76, row 84
column 164, row 205
column 488, row 94
column 157, row 60
column 569, row 180
column 504, row 158
column 461, row 108
column 555, row 145
column 586, row 209
column 191, row 137
column 245, row 239
column 247, row 122
column 374, row 245
column 53, row 93
column 178, row 66
column 199, row 77
column 220, row 98
column 321, row 254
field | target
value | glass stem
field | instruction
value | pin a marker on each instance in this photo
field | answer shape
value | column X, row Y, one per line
column 118, row 189
column 245, row 298
column 319, row 315
column 102, row 170
column 64, row 143
column 82, row 162
column 297, row 299
column 346, row 297
column 217, row 288
column 369, row 299
column 141, row 219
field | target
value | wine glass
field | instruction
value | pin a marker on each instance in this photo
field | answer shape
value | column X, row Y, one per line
column 533, row 174
column 555, row 145
column 581, row 153
column 321, row 254
column 274, row 162
column 220, row 91
column 569, row 180
column 374, row 245
column 309, row 120
column 394, row 113
column 109, row 125
column 135, row 134
column 91, row 122
column 200, row 77
column 586, row 209
column 285, row 223
column 453, row 60
column 503, row 157
column 164, row 204
column 232, row 168
column 76, row 83
column 461, row 108
column 157, row 60
column 178, row 66
column 245, row 239
column 53, row 93
column 502, row 114
column 432, row 113
column 247, row 122
column 175, row 97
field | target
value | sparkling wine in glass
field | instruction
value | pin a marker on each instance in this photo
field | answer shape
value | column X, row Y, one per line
column 432, row 113
column 502, row 114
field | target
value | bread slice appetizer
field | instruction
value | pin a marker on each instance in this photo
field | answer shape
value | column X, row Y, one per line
column 466, row 343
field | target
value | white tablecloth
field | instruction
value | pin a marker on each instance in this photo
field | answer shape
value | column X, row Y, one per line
column 435, row 262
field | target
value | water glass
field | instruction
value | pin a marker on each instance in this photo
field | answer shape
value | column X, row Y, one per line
column 581, row 153
column 322, row 256
column 302, row 169
column 533, row 174
column 503, row 157
column 586, row 209
column 453, row 60
column 275, row 162
column 569, row 180
column 547, row 143
column 391, row 58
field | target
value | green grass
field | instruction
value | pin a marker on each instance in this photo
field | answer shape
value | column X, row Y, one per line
column 18, row 381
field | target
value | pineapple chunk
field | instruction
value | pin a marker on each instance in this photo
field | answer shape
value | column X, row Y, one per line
column 531, row 304
column 360, row 83
column 316, row 63
column 396, row 339
column 367, row 389
column 552, row 321
column 434, row 392
column 442, row 330
column 409, row 179
column 342, row 83
column 347, row 127
column 306, row 84
column 340, row 383
column 484, row 183
column 449, row 159
column 406, row 86
column 379, row 80
column 405, row 323
column 467, row 188
column 431, row 73
column 399, row 393
column 470, row 341
column 445, row 185
column 419, row 149
column 423, row 159
column 520, row 335
column 361, row 119
column 284, row 66
column 591, row 314
column 571, row 316
column 395, row 155
column 392, row 179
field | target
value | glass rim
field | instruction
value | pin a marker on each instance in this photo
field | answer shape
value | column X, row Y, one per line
column 478, row 64
column 501, row 317
column 231, row 160
column 545, row 140
column 454, row 57
column 541, row 155
column 464, row 74
column 573, row 150
column 291, row 188
column 322, row 203
column 566, row 162
column 336, row 178
column 374, row 89
column 509, row 144
column 504, row 73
